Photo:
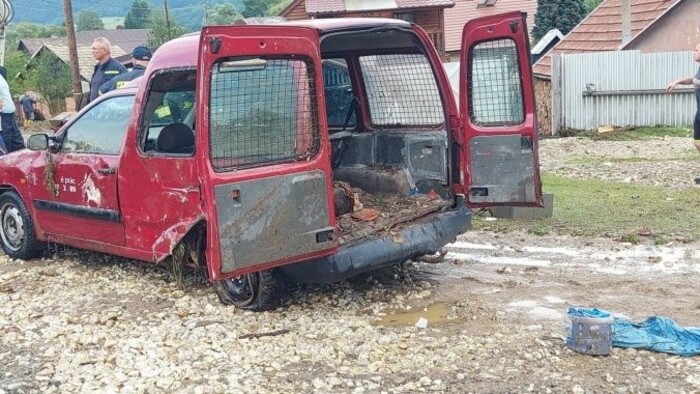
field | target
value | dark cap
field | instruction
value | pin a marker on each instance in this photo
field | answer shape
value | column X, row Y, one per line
column 141, row 52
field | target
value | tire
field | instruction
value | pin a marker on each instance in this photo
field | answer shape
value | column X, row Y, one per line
column 434, row 258
column 259, row 291
column 17, row 235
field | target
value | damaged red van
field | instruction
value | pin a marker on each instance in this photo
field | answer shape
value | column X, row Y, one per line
column 309, row 150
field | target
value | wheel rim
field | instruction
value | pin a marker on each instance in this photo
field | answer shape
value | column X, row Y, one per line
column 12, row 227
column 242, row 289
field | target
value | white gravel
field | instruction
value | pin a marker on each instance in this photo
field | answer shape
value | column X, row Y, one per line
column 86, row 322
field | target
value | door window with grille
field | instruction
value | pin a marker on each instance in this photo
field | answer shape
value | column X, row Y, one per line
column 262, row 111
column 495, row 86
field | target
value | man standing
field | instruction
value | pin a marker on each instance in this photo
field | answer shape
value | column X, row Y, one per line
column 141, row 55
column 695, row 81
column 106, row 67
column 11, row 135
column 27, row 103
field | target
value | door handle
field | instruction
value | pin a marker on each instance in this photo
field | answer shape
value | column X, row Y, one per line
column 107, row 170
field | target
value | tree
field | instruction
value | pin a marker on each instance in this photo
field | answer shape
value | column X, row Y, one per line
column 222, row 14
column 16, row 65
column 16, row 31
column 89, row 20
column 557, row 14
column 255, row 8
column 138, row 15
column 159, row 29
column 276, row 8
column 51, row 78
column 591, row 5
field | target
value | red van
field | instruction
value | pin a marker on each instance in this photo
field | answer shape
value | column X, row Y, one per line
column 311, row 150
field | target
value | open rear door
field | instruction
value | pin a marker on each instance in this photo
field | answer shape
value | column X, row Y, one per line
column 262, row 128
column 497, row 105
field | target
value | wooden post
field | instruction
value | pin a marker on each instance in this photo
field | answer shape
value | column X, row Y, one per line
column 73, row 54
column 167, row 19
column 556, row 85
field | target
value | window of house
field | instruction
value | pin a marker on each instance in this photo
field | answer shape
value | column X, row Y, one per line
column 405, row 16
column 495, row 86
column 101, row 129
column 262, row 111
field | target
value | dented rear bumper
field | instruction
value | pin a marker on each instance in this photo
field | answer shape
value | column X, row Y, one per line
column 424, row 237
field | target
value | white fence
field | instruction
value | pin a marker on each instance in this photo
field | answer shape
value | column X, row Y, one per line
column 626, row 88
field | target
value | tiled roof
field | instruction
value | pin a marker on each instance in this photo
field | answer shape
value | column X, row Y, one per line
column 85, row 59
column 602, row 29
column 126, row 39
column 314, row 7
column 464, row 11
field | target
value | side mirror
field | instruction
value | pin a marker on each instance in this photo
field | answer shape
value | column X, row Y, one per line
column 38, row 142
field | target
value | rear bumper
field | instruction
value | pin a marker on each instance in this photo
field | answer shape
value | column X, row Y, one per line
column 421, row 238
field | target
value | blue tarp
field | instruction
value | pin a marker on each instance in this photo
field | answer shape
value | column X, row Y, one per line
column 659, row 334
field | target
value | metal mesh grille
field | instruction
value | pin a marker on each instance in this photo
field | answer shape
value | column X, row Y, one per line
column 401, row 90
column 495, row 90
column 262, row 111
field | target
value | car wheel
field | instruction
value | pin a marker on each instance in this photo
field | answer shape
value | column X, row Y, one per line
column 17, row 235
column 434, row 258
column 259, row 291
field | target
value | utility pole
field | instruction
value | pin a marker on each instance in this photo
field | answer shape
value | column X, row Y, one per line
column 73, row 54
column 167, row 19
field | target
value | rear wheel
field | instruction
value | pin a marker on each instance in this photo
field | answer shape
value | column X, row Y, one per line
column 17, row 236
column 259, row 291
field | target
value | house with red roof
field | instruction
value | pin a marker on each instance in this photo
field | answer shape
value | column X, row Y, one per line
column 443, row 20
column 657, row 26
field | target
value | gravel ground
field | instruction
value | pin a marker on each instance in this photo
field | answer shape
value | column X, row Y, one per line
column 495, row 314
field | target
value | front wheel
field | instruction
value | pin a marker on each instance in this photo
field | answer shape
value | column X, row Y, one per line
column 259, row 291
column 17, row 235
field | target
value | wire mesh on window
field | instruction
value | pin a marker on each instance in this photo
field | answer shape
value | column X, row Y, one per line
column 402, row 90
column 495, row 90
column 262, row 112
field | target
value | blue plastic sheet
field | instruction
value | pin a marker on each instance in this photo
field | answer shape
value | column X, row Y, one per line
column 659, row 334
column 588, row 312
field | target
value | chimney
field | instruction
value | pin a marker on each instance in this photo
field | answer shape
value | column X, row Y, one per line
column 626, row 21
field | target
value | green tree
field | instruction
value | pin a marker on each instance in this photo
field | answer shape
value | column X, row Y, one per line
column 159, row 29
column 255, row 8
column 557, row 14
column 50, row 77
column 138, row 15
column 16, row 31
column 277, row 7
column 222, row 14
column 591, row 5
column 18, row 78
column 89, row 20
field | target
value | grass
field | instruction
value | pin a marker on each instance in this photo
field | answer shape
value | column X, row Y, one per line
column 637, row 133
column 690, row 155
column 630, row 213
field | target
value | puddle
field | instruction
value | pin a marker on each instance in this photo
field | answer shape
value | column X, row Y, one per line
column 435, row 314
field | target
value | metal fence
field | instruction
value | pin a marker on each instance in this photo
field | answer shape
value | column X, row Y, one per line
column 626, row 88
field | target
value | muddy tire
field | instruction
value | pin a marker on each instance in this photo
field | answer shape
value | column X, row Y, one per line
column 17, row 235
column 259, row 291
column 434, row 258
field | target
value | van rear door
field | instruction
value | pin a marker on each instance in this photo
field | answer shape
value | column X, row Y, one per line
column 266, row 162
column 497, row 106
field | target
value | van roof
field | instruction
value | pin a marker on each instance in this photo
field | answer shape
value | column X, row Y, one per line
column 183, row 51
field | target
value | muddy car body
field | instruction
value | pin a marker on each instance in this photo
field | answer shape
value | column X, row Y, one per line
column 315, row 150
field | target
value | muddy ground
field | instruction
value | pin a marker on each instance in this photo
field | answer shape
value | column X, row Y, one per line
column 495, row 313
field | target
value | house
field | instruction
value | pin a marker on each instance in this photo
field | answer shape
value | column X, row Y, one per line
column 428, row 14
column 126, row 39
column 657, row 26
column 466, row 10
